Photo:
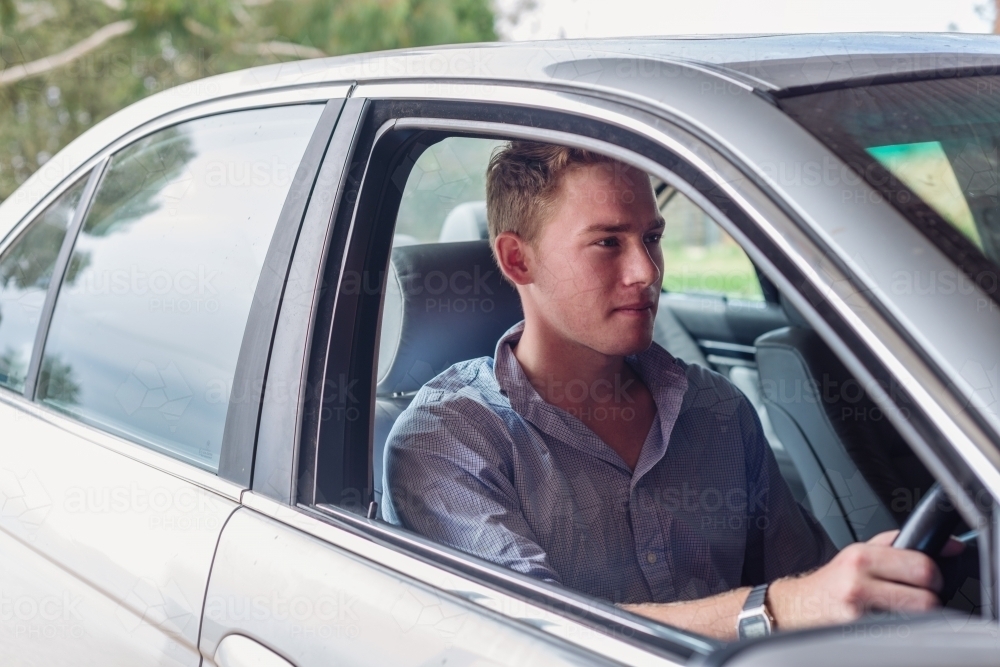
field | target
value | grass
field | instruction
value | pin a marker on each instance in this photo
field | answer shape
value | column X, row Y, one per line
column 720, row 268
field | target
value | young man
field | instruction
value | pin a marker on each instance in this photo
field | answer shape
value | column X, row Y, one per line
column 584, row 455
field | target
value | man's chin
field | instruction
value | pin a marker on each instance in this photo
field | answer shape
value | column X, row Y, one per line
column 623, row 344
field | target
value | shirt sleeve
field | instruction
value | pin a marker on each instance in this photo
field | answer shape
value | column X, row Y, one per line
column 783, row 538
column 448, row 478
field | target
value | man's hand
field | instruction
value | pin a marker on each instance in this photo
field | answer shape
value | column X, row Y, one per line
column 863, row 577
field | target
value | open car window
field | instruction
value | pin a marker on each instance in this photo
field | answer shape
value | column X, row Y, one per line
column 699, row 256
column 847, row 469
column 845, row 465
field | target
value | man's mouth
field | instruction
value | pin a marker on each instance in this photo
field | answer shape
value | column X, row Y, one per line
column 638, row 308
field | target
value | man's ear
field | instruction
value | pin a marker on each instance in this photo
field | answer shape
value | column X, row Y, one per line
column 514, row 257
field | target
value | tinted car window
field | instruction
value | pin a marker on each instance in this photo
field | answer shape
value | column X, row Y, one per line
column 148, row 325
column 25, row 271
column 937, row 140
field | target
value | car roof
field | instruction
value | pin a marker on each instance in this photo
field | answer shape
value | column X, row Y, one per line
column 782, row 64
column 775, row 65
column 800, row 63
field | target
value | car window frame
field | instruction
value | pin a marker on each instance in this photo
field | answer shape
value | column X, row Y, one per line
column 239, row 438
column 58, row 268
column 352, row 229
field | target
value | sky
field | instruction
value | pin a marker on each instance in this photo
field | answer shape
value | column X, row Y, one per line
column 553, row 19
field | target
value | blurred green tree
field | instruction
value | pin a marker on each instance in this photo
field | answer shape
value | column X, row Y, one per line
column 66, row 64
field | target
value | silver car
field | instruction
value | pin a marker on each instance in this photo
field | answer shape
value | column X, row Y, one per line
column 214, row 304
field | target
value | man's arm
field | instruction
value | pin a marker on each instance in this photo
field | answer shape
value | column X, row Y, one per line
column 860, row 578
column 447, row 477
column 863, row 577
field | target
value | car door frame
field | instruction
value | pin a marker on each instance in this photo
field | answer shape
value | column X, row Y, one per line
column 776, row 242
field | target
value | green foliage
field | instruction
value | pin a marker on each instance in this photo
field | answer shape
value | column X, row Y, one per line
column 56, row 383
column 174, row 41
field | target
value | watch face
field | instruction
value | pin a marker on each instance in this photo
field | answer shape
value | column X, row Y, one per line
column 753, row 627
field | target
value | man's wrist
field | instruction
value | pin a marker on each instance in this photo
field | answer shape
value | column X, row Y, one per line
column 755, row 619
column 786, row 601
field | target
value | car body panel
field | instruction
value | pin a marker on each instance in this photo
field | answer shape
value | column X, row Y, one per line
column 125, row 549
column 313, row 603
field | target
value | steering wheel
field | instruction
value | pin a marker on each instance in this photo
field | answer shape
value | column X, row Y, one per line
column 930, row 525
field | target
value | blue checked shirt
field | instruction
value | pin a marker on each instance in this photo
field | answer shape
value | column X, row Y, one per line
column 480, row 462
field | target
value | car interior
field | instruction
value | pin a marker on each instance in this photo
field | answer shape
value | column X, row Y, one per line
column 842, row 457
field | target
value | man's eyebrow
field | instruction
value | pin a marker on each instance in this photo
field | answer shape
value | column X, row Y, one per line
column 611, row 228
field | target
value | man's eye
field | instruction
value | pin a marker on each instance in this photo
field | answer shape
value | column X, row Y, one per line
column 654, row 238
column 608, row 243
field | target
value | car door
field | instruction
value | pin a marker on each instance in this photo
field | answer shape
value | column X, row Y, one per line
column 291, row 586
column 125, row 304
column 305, row 574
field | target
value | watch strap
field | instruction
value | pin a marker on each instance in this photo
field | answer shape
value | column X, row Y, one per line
column 756, row 597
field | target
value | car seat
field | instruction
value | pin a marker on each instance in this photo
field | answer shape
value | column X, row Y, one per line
column 857, row 470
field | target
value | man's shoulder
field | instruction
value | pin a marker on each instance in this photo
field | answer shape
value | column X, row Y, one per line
column 471, row 380
column 466, row 390
column 460, row 411
column 710, row 389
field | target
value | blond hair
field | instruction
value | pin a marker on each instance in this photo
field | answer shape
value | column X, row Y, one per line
column 521, row 183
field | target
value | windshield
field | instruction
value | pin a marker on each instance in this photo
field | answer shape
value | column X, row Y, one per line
column 929, row 146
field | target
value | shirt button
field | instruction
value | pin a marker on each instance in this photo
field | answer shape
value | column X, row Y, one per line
column 650, row 558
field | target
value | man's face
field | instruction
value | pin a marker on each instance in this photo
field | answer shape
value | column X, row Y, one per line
column 598, row 264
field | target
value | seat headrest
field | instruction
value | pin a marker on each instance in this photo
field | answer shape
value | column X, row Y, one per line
column 795, row 318
column 444, row 303
column 465, row 222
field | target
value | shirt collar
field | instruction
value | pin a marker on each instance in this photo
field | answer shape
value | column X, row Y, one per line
column 660, row 371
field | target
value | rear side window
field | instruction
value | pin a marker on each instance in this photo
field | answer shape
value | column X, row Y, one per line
column 444, row 199
column 149, row 321
column 25, row 272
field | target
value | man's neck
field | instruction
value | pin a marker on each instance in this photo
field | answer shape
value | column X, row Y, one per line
column 551, row 362
column 600, row 390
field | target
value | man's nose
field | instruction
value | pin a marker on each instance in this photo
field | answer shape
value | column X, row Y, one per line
column 641, row 266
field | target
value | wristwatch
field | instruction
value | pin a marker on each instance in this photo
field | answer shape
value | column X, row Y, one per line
column 755, row 621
